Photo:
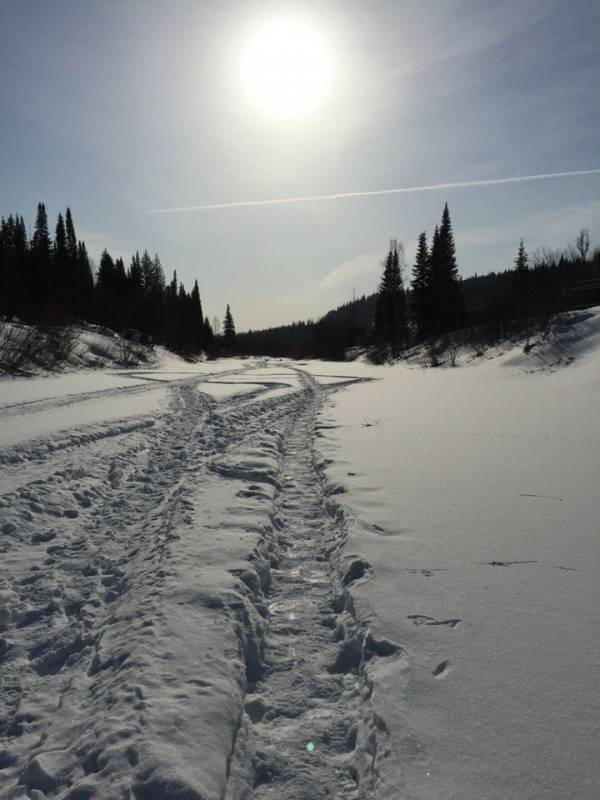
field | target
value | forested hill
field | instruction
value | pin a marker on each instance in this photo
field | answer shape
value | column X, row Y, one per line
column 329, row 337
column 557, row 282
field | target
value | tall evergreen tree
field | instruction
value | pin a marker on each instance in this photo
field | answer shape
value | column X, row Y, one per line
column 40, row 243
column 229, row 330
column 71, row 238
column 40, row 263
column 420, row 287
column 520, row 283
column 60, row 271
column 197, row 319
column 106, row 290
column 60, row 240
column 444, row 289
column 521, row 261
column 83, row 287
column 391, row 323
column 208, row 336
column 135, row 291
column 15, row 284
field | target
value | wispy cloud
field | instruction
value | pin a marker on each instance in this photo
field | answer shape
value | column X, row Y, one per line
column 352, row 272
column 377, row 192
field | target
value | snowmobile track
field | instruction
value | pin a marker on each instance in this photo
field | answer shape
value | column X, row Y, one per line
column 89, row 548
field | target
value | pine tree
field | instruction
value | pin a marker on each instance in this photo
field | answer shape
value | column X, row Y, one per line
column 183, row 333
column 198, row 319
column 444, row 290
column 40, row 263
column 40, row 243
column 229, row 330
column 421, row 301
column 135, row 291
column 60, row 240
column 391, row 323
column 453, row 316
column 521, row 260
column 171, row 311
column 15, row 280
column 106, row 290
column 208, row 336
column 71, row 238
column 60, row 271
column 520, row 283
column 83, row 295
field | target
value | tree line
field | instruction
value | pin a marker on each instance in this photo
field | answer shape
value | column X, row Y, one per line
column 49, row 281
column 437, row 301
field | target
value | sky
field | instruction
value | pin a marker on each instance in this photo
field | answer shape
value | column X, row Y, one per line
column 118, row 109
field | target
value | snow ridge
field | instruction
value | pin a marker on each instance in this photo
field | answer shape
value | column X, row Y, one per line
column 176, row 619
column 313, row 731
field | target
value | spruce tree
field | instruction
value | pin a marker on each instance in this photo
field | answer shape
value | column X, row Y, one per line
column 106, row 294
column 198, row 319
column 83, row 296
column 71, row 238
column 60, row 271
column 420, row 287
column 135, row 291
column 15, row 283
column 171, row 311
column 229, row 330
column 447, row 311
column 451, row 306
column 40, row 264
column 60, row 240
column 183, row 335
column 391, row 323
column 521, row 261
column 520, row 283
column 208, row 336
column 40, row 243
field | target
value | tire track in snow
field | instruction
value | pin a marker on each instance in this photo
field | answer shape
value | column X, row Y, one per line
column 85, row 545
column 314, row 733
column 85, row 600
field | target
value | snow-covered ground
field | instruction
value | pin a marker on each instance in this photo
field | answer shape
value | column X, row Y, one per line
column 244, row 578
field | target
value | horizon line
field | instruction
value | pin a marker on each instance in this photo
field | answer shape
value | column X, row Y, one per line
column 375, row 192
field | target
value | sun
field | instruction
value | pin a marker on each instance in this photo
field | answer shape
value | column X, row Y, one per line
column 286, row 69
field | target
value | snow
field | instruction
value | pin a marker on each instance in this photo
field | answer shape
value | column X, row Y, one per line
column 290, row 580
column 473, row 495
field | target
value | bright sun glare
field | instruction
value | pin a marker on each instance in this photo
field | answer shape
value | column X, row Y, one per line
column 286, row 69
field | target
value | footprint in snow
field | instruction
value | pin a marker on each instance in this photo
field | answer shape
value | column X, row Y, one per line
column 441, row 669
column 421, row 619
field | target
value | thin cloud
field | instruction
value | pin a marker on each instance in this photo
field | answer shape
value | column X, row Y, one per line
column 403, row 190
column 356, row 270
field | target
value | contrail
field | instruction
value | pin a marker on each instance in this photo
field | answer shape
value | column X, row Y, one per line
column 404, row 190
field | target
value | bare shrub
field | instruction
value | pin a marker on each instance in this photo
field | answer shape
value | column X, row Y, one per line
column 378, row 354
column 529, row 344
column 432, row 356
column 454, row 349
column 21, row 347
column 128, row 355
column 60, row 343
column 24, row 347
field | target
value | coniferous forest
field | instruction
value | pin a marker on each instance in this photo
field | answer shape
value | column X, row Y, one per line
column 434, row 301
column 48, row 280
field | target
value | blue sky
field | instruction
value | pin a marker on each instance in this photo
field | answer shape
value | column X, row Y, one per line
column 116, row 108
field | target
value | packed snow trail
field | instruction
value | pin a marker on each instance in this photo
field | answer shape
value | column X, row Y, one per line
column 307, row 706
column 150, row 571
